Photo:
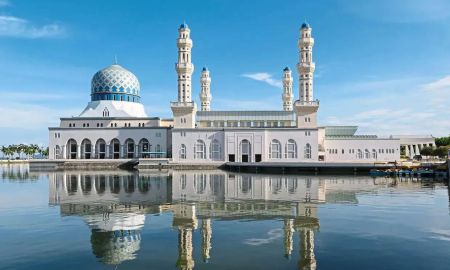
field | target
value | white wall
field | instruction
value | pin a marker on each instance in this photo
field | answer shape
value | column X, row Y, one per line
column 340, row 150
column 60, row 136
column 230, row 140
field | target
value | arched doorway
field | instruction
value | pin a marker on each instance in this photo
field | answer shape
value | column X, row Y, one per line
column 100, row 149
column 129, row 147
column 144, row 148
column 115, row 149
column 86, row 149
column 245, row 150
column 72, row 149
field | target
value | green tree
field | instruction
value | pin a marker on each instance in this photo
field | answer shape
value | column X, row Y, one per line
column 44, row 151
column 441, row 151
column 443, row 141
column 427, row 151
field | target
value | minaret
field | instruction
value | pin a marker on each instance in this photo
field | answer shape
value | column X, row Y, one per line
column 288, row 235
column 184, row 109
column 184, row 66
column 307, row 258
column 306, row 107
column 206, row 239
column 205, row 94
column 287, row 89
column 185, row 259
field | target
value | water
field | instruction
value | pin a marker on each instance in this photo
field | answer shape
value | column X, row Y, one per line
column 219, row 220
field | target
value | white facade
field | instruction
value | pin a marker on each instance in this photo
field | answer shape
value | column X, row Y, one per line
column 114, row 123
column 244, row 145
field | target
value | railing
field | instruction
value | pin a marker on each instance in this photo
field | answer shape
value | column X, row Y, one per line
column 177, row 103
column 307, row 103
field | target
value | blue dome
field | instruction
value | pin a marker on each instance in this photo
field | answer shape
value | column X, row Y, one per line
column 286, row 69
column 184, row 25
column 305, row 25
column 115, row 83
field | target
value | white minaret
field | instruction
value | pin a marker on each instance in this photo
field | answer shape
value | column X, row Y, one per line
column 184, row 109
column 184, row 66
column 306, row 107
column 306, row 66
column 205, row 94
column 287, row 89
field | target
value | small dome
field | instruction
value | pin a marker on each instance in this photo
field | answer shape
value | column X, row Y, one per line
column 286, row 69
column 184, row 25
column 115, row 83
column 305, row 25
column 204, row 69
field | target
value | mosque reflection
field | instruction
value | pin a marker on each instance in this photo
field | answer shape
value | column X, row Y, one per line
column 115, row 204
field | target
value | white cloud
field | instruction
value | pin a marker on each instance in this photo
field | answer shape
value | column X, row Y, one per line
column 272, row 235
column 439, row 85
column 264, row 77
column 17, row 27
column 393, row 107
column 31, row 116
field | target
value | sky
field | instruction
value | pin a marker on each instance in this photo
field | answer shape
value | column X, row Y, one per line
column 383, row 65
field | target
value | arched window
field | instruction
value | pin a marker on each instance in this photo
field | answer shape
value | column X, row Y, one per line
column 129, row 144
column 86, row 149
column 214, row 150
column 72, row 149
column 307, row 152
column 115, row 149
column 200, row 150
column 360, row 154
column 275, row 149
column 105, row 112
column 291, row 149
column 374, row 154
column 183, row 151
column 366, row 154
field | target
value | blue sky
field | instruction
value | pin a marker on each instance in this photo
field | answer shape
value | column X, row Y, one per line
column 381, row 64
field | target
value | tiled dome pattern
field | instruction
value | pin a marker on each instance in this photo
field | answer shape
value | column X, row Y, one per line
column 115, row 80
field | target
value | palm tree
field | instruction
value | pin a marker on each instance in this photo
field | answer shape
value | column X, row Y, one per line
column 8, row 151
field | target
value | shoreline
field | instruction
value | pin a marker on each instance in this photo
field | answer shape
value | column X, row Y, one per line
column 167, row 164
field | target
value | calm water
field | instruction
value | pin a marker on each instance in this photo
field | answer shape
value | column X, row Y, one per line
column 219, row 220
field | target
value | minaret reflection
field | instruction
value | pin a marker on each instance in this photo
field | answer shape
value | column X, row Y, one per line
column 185, row 220
column 206, row 239
column 115, row 206
column 288, row 235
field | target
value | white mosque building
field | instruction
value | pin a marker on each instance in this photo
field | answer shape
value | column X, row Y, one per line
column 114, row 124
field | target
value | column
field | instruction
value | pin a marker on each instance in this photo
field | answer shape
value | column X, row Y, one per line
column 107, row 151
column 78, row 151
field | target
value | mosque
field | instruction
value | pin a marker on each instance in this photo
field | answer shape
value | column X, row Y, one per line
column 114, row 124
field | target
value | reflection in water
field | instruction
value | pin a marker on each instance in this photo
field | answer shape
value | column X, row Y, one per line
column 17, row 172
column 115, row 205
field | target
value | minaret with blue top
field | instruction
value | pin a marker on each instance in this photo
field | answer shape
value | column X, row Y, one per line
column 184, row 108
column 287, row 95
column 306, row 107
column 205, row 92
